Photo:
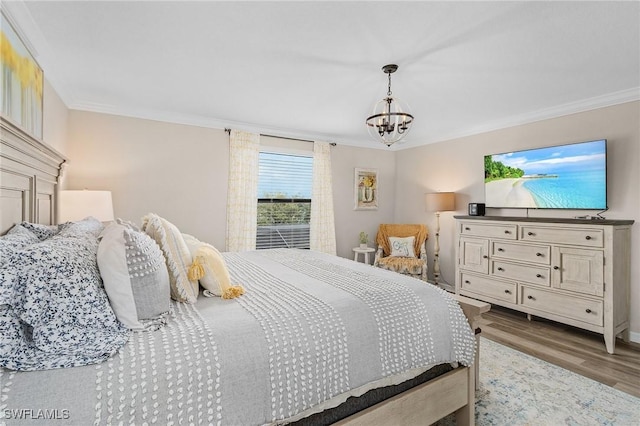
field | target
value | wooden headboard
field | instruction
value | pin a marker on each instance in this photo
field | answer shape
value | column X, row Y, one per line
column 29, row 174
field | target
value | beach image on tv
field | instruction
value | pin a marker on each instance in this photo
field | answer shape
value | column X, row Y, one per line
column 565, row 177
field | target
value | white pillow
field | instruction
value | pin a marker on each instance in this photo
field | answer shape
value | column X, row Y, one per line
column 402, row 247
column 135, row 277
column 177, row 254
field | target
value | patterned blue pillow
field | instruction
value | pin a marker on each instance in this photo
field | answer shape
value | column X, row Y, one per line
column 58, row 314
column 41, row 231
column 15, row 239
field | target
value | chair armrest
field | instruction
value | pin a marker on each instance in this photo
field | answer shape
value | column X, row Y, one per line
column 376, row 260
column 423, row 251
column 423, row 256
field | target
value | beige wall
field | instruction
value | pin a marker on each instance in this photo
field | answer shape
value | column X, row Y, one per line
column 458, row 166
column 349, row 222
column 55, row 120
column 180, row 172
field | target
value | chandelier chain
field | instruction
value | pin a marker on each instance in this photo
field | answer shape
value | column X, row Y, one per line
column 389, row 88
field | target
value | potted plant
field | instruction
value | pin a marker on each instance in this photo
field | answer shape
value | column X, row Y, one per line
column 364, row 239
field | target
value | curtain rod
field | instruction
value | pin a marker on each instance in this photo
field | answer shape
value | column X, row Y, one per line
column 283, row 137
column 228, row 130
column 293, row 139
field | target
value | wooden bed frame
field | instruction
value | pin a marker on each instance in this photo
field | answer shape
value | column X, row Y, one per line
column 29, row 177
column 453, row 392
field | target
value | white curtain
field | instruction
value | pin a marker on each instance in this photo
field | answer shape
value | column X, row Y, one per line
column 242, row 196
column 323, row 232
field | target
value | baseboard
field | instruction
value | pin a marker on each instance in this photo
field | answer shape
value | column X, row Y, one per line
column 634, row 337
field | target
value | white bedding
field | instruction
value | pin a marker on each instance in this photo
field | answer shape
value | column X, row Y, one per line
column 310, row 330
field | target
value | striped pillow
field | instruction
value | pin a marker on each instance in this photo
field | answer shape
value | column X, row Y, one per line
column 177, row 254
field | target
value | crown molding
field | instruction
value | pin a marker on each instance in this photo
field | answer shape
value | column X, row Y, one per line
column 610, row 99
column 202, row 121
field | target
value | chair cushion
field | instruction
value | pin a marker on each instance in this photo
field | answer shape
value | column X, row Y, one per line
column 402, row 265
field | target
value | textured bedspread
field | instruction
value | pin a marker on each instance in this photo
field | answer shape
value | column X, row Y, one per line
column 309, row 328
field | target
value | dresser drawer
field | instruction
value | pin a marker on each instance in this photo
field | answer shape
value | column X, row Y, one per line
column 574, row 236
column 532, row 274
column 507, row 232
column 585, row 310
column 496, row 289
column 524, row 252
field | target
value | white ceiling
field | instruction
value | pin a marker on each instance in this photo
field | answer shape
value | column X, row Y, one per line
column 313, row 69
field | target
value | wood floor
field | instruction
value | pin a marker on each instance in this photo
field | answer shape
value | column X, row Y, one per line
column 571, row 348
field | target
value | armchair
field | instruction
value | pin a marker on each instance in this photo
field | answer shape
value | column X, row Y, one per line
column 415, row 266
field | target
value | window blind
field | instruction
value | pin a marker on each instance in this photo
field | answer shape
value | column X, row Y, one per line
column 284, row 200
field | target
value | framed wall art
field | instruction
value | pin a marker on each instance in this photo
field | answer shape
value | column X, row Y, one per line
column 366, row 189
column 21, row 82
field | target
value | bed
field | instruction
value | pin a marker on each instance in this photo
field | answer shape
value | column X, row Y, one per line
column 291, row 349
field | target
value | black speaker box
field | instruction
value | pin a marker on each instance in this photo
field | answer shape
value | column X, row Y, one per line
column 476, row 209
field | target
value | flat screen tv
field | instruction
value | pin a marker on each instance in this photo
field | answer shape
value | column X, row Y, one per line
column 572, row 176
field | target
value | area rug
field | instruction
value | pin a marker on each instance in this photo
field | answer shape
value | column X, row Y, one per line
column 518, row 389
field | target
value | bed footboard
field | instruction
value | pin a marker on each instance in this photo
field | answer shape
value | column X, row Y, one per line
column 453, row 392
column 424, row 404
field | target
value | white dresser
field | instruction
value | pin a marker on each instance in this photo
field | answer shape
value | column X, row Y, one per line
column 572, row 271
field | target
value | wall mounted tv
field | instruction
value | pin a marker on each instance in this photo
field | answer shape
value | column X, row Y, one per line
column 572, row 176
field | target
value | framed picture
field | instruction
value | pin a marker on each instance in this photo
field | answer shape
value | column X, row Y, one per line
column 22, row 82
column 366, row 189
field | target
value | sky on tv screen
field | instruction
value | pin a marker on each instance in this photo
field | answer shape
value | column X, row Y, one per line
column 557, row 159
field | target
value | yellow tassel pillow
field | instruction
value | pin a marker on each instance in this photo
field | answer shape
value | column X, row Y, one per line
column 209, row 268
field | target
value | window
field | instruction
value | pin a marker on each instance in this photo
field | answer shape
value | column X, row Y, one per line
column 284, row 200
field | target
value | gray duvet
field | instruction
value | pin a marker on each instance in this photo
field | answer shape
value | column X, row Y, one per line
column 310, row 330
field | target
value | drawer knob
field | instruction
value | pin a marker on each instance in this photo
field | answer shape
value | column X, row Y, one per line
column 588, row 237
column 484, row 256
column 539, row 254
column 530, row 234
column 500, row 269
column 466, row 228
column 508, row 291
column 588, row 310
column 507, row 231
column 530, row 297
column 556, row 267
column 538, row 276
column 500, row 249
column 467, row 282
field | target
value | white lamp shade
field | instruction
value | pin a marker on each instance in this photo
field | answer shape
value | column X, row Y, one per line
column 440, row 201
column 76, row 205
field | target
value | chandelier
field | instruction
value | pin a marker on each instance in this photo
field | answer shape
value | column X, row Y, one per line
column 391, row 120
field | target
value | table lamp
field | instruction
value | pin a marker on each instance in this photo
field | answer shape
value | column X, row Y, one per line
column 77, row 204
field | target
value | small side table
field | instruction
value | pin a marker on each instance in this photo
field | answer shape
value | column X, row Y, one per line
column 364, row 251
